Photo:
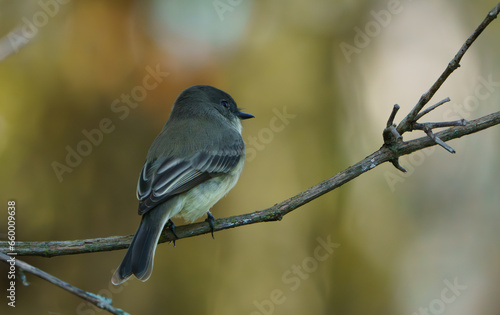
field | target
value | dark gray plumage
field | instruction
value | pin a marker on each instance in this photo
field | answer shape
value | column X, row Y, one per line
column 194, row 161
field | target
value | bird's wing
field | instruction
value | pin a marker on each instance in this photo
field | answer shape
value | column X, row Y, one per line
column 162, row 179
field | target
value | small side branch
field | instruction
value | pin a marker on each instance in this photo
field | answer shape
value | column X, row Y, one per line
column 99, row 301
column 428, row 110
column 436, row 139
column 405, row 124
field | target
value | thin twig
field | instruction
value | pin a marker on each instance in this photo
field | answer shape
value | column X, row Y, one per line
column 428, row 110
column 395, row 110
column 99, row 301
column 390, row 134
column 436, row 139
column 405, row 124
column 398, row 166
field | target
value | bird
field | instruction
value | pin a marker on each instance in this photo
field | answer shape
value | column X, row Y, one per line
column 195, row 160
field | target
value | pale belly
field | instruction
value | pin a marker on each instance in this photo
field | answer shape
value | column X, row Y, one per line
column 199, row 200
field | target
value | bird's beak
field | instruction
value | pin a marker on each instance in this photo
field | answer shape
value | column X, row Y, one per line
column 242, row 115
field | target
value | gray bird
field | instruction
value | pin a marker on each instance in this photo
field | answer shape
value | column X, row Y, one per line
column 194, row 161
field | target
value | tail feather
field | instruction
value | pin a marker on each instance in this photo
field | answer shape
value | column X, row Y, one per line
column 140, row 255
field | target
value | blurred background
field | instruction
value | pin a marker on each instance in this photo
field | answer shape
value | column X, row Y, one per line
column 85, row 87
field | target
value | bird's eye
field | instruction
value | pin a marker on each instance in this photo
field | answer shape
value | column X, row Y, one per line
column 225, row 104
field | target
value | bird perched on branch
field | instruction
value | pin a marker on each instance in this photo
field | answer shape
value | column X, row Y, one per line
column 194, row 161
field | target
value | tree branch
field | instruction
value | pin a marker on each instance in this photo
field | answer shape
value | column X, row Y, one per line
column 275, row 213
column 405, row 124
column 99, row 301
column 393, row 148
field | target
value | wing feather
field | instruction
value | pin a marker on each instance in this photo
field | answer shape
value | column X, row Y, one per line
column 161, row 179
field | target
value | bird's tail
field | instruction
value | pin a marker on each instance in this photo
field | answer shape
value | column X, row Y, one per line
column 140, row 254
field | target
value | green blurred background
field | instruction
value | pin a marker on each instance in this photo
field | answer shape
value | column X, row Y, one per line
column 321, row 78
